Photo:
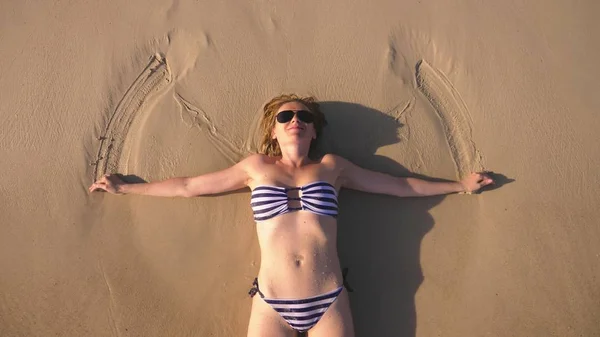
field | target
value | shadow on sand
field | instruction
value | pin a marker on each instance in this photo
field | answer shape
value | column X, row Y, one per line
column 379, row 237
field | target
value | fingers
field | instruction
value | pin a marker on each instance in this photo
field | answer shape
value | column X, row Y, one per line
column 482, row 179
column 97, row 186
column 486, row 179
column 100, row 184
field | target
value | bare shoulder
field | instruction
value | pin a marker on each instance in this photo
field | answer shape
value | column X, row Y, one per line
column 334, row 161
column 337, row 164
column 255, row 161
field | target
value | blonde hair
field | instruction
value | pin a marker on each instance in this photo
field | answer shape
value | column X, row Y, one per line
column 270, row 146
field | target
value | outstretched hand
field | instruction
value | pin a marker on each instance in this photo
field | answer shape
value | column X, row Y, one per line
column 475, row 181
column 109, row 183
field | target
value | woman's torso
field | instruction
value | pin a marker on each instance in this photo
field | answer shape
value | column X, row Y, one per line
column 298, row 248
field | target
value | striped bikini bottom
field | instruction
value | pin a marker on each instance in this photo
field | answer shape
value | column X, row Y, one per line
column 301, row 314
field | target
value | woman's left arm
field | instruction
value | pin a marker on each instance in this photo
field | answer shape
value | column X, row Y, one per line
column 358, row 178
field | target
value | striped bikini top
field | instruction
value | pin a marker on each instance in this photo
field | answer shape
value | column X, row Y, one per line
column 319, row 197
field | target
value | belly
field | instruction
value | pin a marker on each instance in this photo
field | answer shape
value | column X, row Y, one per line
column 298, row 255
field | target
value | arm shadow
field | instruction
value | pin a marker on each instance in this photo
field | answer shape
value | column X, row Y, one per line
column 131, row 178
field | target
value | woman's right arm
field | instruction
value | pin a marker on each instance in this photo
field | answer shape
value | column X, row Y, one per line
column 229, row 179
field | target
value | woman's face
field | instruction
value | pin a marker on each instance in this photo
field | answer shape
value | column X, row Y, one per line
column 294, row 130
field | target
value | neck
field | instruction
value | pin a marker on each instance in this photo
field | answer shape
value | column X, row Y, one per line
column 295, row 156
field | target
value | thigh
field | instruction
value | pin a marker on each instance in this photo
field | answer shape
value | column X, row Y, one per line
column 337, row 320
column 266, row 322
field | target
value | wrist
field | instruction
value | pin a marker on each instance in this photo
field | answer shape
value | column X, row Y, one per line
column 460, row 187
column 122, row 189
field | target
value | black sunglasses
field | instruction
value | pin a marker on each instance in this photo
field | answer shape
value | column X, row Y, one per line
column 287, row 115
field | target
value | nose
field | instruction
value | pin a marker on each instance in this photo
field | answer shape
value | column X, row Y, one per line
column 295, row 119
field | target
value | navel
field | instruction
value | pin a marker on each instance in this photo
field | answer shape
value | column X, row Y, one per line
column 298, row 260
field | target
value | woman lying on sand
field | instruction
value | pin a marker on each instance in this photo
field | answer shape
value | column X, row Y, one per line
column 294, row 200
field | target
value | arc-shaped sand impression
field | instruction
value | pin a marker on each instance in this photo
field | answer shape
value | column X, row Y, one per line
column 154, row 78
column 453, row 115
column 230, row 151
